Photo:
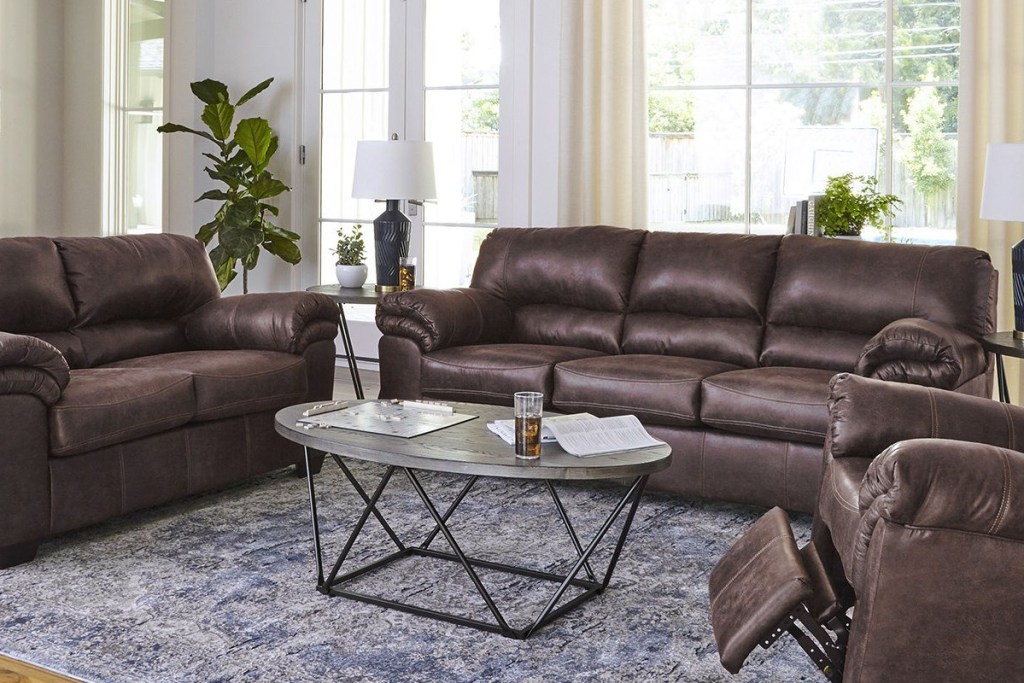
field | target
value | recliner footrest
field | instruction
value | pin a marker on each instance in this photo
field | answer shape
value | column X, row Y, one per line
column 755, row 586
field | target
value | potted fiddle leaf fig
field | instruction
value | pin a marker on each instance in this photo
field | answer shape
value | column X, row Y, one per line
column 350, row 257
column 850, row 202
column 242, row 223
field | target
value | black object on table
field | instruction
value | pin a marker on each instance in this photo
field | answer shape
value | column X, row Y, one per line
column 1003, row 344
column 349, row 295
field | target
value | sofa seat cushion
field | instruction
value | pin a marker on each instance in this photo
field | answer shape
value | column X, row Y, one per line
column 230, row 383
column 776, row 402
column 104, row 407
column 663, row 390
column 491, row 373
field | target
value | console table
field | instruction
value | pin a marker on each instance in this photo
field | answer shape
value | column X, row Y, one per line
column 349, row 295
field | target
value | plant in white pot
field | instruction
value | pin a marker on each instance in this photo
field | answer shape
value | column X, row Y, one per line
column 350, row 257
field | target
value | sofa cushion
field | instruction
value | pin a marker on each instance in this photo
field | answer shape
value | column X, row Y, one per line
column 113, row 341
column 830, row 296
column 230, row 383
column 565, row 286
column 136, row 276
column 780, row 403
column 491, row 373
column 662, row 390
column 34, row 295
column 103, row 407
column 701, row 296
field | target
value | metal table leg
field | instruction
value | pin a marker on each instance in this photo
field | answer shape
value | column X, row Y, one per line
column 346, row 340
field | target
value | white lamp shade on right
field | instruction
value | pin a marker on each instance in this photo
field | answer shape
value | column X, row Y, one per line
column 394, row 169
column 1003, row 196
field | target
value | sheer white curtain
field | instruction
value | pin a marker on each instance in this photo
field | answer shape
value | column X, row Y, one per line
column 991, row 110
column 603, row 137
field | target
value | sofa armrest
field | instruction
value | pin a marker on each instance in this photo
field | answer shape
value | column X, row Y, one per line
column 438, row 318
column 28, row 365
column 942, row 484
column 866, row 416
column 920, row 351
column 277, row 321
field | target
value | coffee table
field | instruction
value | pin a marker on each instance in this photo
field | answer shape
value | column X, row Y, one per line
column 470, row 449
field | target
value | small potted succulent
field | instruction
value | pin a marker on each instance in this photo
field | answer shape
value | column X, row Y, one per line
column 350, row 254
column 844, row 210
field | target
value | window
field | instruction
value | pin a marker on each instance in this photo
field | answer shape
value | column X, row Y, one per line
column 134, row 84
column 446, row 91
column 754, row 103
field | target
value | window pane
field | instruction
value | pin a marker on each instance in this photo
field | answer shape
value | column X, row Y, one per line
column 355, row 44
column 463, row 40
column 144, row 174
column 800, row 137
column 463, row 125
column 924, row 164
column 145, row 55
column 348, row 118
column 810, row 41
column 926, row 40
column 696, row 42
column 696, row 155
column 450, row 254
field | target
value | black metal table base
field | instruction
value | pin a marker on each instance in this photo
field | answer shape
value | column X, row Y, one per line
column 589, row 585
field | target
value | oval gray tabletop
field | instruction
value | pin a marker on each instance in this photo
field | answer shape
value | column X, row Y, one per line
column 470, row 448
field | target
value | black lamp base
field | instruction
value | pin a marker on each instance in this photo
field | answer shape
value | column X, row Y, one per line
column 391, row 232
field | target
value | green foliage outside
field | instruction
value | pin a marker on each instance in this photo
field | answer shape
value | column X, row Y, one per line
column 929, row 157
column 240, row 225
column 669, row 114
column 852, row 201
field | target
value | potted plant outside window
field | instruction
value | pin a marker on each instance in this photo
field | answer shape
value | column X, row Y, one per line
column 850, row 202
column 350, row 257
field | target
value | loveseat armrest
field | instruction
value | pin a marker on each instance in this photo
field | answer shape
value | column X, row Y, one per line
column 866, row 416
column 942, row 484
column 29, row 365
column 438, row 318
column 276, row 321
column 923, row 352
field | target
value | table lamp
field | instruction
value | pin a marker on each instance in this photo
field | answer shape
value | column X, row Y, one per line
column 1002, row 199
column 392, row 170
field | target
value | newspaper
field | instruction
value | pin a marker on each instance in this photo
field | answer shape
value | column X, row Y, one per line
column 585, row 435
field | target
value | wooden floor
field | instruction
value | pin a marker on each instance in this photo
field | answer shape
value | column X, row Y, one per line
column 13, row 671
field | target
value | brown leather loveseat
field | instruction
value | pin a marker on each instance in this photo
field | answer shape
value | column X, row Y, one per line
column 723, row 345
column 126, row 380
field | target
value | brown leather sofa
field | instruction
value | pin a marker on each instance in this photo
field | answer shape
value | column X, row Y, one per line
column 127, row 381
column 723, row 345
column 919, row 529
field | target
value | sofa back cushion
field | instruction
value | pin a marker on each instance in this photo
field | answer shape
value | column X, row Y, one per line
column 701, row 296
column 565, row 286
column 34, row 295
column 136, row 277
column 831, row 296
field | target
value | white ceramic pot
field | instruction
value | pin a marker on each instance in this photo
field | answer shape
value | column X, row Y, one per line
column 351, row 276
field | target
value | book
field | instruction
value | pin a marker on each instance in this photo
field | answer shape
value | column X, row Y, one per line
column 584, row 435
column 801, row 217
column 791, row 222
column 812, row 223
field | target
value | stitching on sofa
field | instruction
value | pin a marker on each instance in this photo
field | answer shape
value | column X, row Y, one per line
column 839, row 495
column 917, row 283
column 1009, row 427
column 517, row 367
column 763, row 398
column 631, row 381
column 742, row 570
column 107, row 435
column 771, row 428
column 612, row 406
column 164, row 389
column 254, row 401
column 935, row 415
column 874, row 594
column 1004, row 501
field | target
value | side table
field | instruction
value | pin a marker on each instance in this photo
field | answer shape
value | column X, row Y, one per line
column 1003, row 344
column 349, row 295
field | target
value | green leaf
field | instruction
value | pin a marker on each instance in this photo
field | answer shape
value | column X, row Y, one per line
column 210, row 91
column 267, row 187
column 218, row 117
column 271, row 208
column 282, row 247
column 208, row 231
column 239, row 240
column 251, row 259
column 178, row 128
column 223, row 265
column 241, row 214
column 253, row 93
column 214, row 194
column 254, row 136
column 272, row 229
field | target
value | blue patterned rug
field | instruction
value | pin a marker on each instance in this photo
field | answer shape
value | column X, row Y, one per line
column 221, row 587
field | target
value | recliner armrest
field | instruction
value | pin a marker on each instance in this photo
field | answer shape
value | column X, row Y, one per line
column 276, row 321
column 923, row 352
column 866, row 416
column 438, row 318
column 28, row 365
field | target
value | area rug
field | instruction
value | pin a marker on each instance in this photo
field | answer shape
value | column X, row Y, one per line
column 221, row 587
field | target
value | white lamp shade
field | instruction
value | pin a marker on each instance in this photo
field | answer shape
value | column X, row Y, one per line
column 394, row 169
column 1003, row 196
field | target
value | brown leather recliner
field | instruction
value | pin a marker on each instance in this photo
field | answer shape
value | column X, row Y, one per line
column 919, row 529
column 126, row 380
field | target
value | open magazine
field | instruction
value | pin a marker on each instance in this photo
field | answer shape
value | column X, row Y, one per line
column 583, row 434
